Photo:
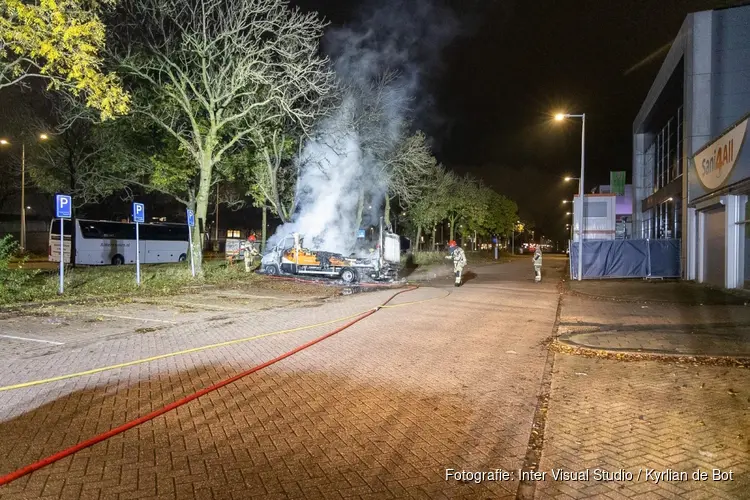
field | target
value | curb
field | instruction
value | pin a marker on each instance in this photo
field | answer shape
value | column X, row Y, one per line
column 572, row 349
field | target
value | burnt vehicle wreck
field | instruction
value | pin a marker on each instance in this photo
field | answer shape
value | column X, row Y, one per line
column 379, row 263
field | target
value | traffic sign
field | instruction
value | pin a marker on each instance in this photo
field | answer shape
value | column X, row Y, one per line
column 63, row 207
column 139, row 212
column 191, row 218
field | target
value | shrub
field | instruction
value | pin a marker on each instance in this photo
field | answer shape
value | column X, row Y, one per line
column 12, row 275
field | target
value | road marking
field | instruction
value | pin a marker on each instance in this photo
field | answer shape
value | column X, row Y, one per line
column 137, row 319
column 195, row 349
column 208, row 307
column 31, row 340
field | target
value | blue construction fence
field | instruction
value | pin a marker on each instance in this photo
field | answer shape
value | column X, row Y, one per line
column 627, row 259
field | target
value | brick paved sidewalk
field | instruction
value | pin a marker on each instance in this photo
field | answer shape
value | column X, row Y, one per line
column 649, row 417
column 685, row 320
column 635, row 416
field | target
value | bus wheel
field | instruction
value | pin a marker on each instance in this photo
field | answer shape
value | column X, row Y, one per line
column 182, row 258
column 271, row 270
column 349, row 275
column 118, row 260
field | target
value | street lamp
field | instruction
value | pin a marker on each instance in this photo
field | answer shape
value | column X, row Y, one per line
column 560, row 117
column 5, row 142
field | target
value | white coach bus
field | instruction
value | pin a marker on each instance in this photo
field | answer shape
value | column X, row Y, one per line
column 109, row 242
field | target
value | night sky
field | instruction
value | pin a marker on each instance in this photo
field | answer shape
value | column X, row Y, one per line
column 514, row 63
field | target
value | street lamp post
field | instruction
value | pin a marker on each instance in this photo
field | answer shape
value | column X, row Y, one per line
column 5, row 142
column 560, row 117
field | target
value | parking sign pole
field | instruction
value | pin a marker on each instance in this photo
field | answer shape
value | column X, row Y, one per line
column 191, row 220
column 62, row 254
column 137, row 256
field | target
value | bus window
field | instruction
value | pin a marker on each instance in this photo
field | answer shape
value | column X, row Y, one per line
column 67, row 226
column 117, row 231
column 90, row 230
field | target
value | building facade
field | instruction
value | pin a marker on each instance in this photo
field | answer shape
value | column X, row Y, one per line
column 691, row 174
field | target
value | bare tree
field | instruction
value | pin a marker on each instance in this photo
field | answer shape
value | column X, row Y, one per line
column 81, row 157
column 408, row 170
column 213, row 74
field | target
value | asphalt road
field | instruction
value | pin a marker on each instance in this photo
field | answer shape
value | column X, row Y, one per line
column 395, row 406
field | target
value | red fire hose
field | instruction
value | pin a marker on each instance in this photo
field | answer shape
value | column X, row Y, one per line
column 161, row 411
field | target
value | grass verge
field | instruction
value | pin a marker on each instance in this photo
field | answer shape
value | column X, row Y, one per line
column 106, row 282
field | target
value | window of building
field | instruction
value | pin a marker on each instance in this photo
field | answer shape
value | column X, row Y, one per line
column 647, row 231
column 668, row 152
column 233, row 233
column 596, row 209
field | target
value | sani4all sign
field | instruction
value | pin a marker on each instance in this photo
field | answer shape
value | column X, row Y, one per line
column 715, row 164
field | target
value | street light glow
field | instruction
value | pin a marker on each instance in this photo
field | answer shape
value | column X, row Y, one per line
column 559, row 117
column 4, row 142
column 43, row 137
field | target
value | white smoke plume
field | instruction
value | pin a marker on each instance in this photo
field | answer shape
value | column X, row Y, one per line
column 379, row 61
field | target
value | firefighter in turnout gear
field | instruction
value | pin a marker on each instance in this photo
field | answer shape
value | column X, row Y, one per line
column 459, row 260
column 250, row 250
column 537, row 260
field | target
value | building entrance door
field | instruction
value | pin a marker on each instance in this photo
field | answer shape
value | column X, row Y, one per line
column 714, row 249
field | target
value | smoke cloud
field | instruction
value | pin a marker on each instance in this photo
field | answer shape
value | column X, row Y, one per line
column 380, row 61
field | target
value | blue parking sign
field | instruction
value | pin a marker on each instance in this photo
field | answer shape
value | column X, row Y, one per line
column 63, row 206
column 191, row 218
column 139, row 213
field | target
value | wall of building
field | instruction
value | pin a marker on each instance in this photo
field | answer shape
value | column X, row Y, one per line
column 731, row 67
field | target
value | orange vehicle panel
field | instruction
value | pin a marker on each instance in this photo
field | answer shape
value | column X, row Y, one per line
column 305, row 258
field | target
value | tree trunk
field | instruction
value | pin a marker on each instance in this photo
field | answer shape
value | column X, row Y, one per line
column 264, row 229
column 452, row 224
column 387, row 214
column 419, row 236
column 434, row 235
column 201, row 209
column 360, row 209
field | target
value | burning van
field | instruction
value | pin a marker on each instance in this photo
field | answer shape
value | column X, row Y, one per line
column 289, row 256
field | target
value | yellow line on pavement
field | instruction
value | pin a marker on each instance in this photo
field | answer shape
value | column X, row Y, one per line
column 198, row 349
column 170, row 354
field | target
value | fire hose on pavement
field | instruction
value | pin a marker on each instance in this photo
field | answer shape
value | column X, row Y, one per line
column 150, row 416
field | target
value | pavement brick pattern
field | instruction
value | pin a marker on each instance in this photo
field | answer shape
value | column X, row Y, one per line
column 635, row 416
column 378, row 411
column 712, row 329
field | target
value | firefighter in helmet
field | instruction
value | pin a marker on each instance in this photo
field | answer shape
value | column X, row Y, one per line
column 459, row 260
column 250, row 250
column 537, row 260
